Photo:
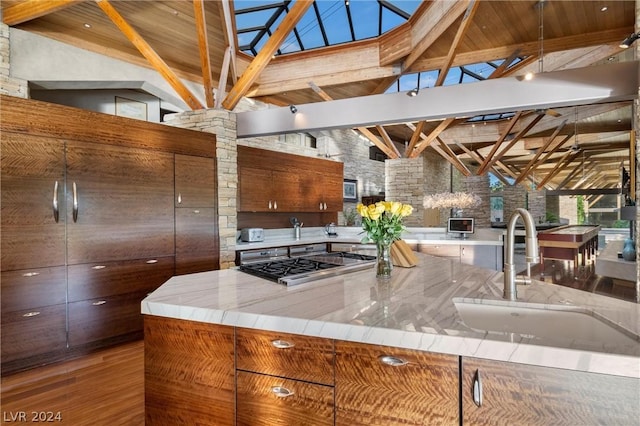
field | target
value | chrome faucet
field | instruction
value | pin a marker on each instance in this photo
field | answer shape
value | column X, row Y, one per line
column 531, row 253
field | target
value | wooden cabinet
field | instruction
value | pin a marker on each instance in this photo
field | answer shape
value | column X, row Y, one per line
column 389, row 386
column 516, row 394
column 123, row 200
column 270, row 181
column 89, row 224
column 196, row 215
column 268, row 400
column 283, row 379
column 286, row 355
column 189, row 373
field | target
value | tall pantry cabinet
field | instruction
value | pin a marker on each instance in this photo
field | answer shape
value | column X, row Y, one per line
column 91, row 225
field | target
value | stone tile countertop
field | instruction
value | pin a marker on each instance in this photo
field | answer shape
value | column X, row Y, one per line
column 353, row 235
column 429, row 307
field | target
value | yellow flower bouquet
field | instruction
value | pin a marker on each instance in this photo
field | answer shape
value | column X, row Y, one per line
column 382, row 223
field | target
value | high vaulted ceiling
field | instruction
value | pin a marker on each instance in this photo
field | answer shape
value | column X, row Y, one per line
column 565, row 148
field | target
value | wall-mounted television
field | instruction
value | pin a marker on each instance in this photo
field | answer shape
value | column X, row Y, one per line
column 461, row 225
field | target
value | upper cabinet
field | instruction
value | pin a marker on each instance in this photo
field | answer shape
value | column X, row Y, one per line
column 195, row 181
column 270, row 181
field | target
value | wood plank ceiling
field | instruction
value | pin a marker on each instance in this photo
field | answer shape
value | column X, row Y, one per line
column 577, row 147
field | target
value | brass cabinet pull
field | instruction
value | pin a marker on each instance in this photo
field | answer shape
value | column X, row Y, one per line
column 56, row 213
column 477, row 389
column 282, row 344
column 75, row 202
column 393, row 361
column 31, row 314
column 31, row 274
column 99, row 302
column 281, row 391
column 179, row 198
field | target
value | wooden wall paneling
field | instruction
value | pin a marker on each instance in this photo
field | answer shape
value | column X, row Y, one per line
column 189, row 372
column 51, row 120
column 125, row 203
column 525, row 394
column 31, row 236
column 424, row 391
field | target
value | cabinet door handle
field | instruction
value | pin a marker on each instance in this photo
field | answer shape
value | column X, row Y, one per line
column 31, row 274
column 152, row 261
column 320, row 206
column 31, row 314
column 179, row 198
column 281, row 391
column 269, row 204
column 325, row 206
column 75, row 202
column 282, row 344
column 477, row 389
column 275, row 205
column 393, row 361
column 98, row 267
column 99, row 302
column 56, row 213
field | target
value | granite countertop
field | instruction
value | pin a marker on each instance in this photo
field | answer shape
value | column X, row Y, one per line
column 353, row 235
column 417, row 309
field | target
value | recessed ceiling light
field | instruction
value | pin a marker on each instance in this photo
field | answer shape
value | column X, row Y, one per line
column 528, row 76
column 86, row 25
column 175, row 12
column 603, row 9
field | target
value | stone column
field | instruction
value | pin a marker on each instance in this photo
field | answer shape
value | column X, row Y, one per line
column 478, row 185
column 9, row 85
column 223, row 124
column 404, row 182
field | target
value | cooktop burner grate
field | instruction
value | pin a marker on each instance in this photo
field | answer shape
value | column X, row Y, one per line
column 281, row 269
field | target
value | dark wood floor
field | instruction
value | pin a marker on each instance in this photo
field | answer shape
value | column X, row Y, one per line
column 104, row 388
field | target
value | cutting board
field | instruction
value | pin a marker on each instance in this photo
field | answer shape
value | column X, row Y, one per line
column 402, row 255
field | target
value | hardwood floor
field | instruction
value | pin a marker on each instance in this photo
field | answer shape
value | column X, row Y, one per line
column 104, row 388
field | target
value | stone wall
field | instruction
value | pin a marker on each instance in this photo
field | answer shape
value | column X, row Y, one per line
column 537, row 203
column 223, row 124
column 478, row 185
column 568, row 209
column 404, row 182
column 437, row 179
column 9, row 85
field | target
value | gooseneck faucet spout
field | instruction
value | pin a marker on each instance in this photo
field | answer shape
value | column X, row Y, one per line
column 531, row 252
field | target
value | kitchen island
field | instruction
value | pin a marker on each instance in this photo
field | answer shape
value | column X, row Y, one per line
column 422, row 320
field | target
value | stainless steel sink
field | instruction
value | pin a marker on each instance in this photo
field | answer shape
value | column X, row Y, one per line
column 558, row 325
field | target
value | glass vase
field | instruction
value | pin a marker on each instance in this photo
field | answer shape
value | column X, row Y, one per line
column 383, row 263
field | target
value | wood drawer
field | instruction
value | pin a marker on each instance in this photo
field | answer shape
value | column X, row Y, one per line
column 99, row 319
column 33, row 331
column 285, row 355
column 30, row 288
column 90, row 281
column 299, row 403
column 442, row 250
column 370, row 391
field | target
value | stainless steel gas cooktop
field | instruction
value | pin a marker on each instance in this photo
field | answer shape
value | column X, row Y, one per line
column 298, row 270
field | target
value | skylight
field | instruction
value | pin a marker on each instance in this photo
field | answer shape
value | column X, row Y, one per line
column 326, row 23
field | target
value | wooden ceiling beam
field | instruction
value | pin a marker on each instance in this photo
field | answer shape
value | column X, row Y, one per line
column 502, row 68
column 224, row 75
column 462, row 30
column 387, row 140
column 229, row 30
column 262, row 59
column 530, row 166
column 203, row 48
column 377, row 142
column 476, row 156
column 571, row 175
column 154, row 59
column 566, row 159
column 483, row 167
column 512, row 142
column 25, row 11
column 450, row 159
column 453, row 158
column 595, row 38
column 427, row 141
column 429, row 24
